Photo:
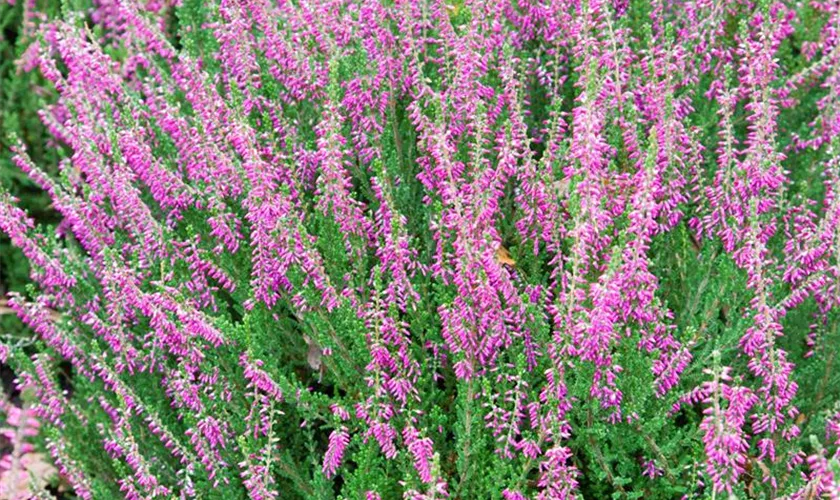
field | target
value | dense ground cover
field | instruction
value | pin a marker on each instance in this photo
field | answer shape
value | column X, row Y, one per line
column 415, row 249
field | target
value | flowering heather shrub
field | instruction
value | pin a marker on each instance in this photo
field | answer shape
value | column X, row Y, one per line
column 365, row 249
column 20, row 99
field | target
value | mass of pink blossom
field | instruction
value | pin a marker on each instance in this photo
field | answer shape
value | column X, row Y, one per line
column 547, row 249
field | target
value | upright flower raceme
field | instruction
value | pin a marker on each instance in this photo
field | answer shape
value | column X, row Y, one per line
column 724, row 417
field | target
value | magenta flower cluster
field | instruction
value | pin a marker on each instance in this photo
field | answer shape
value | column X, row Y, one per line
column 433, row 250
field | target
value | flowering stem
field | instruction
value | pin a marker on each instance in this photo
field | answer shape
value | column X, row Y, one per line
column 657, row 451
column 467, row 438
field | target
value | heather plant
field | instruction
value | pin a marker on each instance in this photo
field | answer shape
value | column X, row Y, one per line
column 366, row 249
column 21, row 96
